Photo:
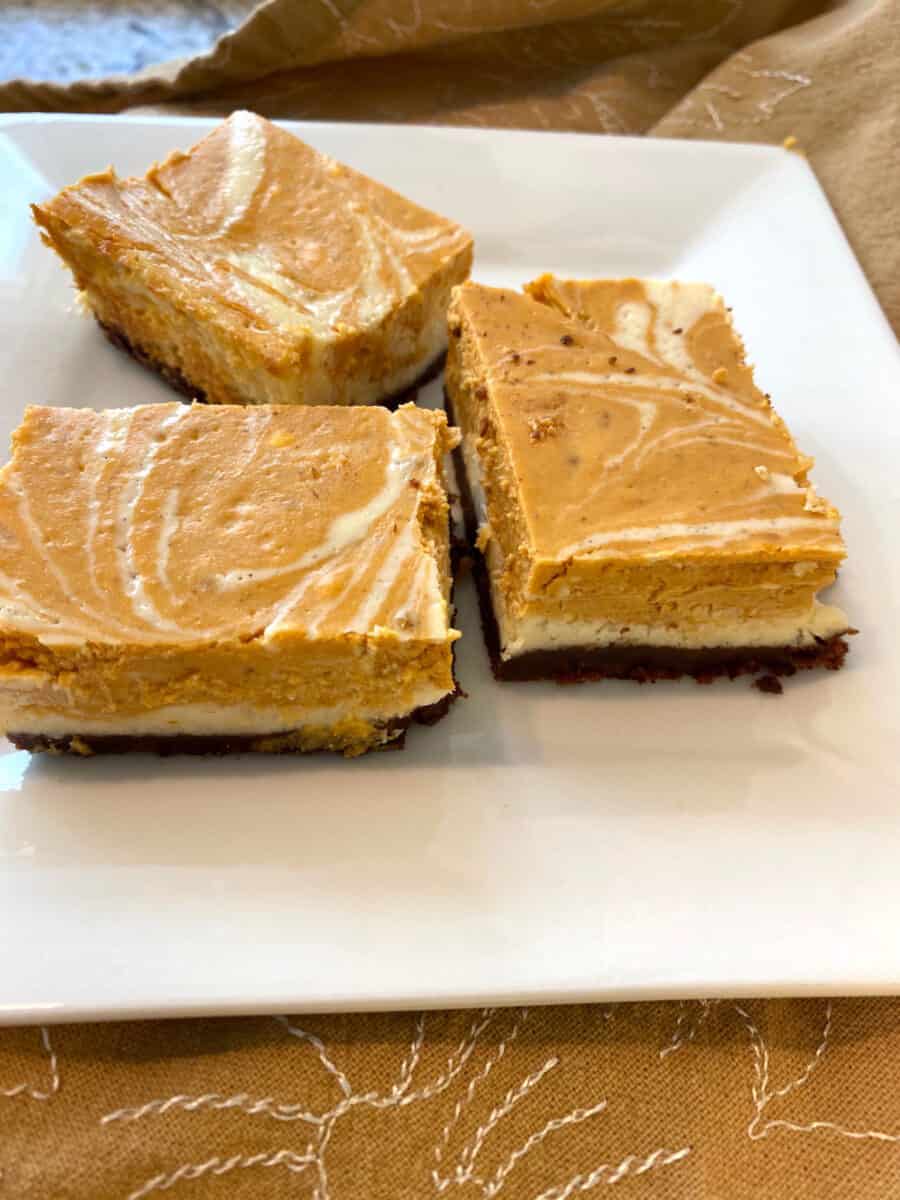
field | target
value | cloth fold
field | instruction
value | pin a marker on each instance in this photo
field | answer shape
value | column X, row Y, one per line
column 703, row 1100
column 822, row 73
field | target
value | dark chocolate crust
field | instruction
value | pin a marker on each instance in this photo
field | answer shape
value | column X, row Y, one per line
column 175, row 379
column 647, row 664
column 172, row 376
column 166, row 745
column 408, row 395
column 642, row 664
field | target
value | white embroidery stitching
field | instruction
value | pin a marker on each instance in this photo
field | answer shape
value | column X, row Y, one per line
column 628, row 1166
column 464, row 1170
column 407, row 28
column 718, row 123
column 303, row 1036
column 715, row 120
column 611, row 121
column 219, row 1166
column 496, row 1182
column 734, row 7
column 333, row 11
column 398, row 1096
column 215, row 1100
column 795, row 80
column 27, row 1089
column 468, row 1095
column 690, row 1021
column 763, row 1095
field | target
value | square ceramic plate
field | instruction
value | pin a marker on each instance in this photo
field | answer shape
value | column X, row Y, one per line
column 542, row 843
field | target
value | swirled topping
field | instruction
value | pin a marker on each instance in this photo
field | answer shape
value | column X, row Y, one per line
column 279, row 238
column 176, row 523
column 632, row 426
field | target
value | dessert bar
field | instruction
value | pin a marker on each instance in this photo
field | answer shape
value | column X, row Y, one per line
column 254, row 269
column 183, row 578
column 639, row 509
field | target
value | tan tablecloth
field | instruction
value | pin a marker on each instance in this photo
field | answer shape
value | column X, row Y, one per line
column 706, row 1100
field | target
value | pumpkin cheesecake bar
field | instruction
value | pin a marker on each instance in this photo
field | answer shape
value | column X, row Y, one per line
column 181, row 578
column 640, row 510
column 254, row 269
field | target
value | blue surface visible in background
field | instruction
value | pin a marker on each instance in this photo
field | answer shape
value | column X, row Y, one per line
column 61, row 41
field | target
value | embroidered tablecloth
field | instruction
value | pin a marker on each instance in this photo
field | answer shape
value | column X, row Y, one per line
column 707, row 1100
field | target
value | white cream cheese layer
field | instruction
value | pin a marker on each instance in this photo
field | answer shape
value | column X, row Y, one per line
column 212, row 720
column 473, row 475
column 796, row 630
column 521, row 635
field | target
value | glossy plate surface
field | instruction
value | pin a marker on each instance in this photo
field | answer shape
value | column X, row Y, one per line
column 542, row 843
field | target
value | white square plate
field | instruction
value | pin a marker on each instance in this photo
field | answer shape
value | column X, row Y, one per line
column 541, row 843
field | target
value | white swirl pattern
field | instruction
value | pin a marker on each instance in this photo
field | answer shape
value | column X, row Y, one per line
column 140, row 536
column 660, row 439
